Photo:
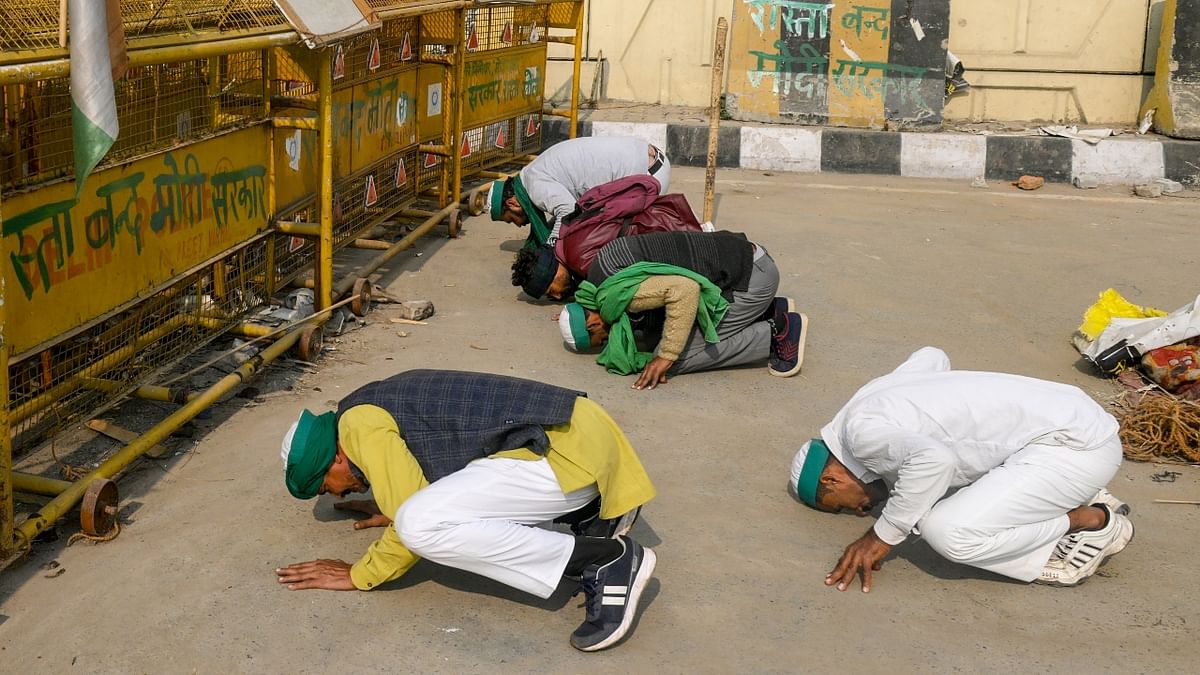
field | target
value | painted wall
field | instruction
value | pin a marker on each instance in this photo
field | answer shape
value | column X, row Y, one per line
column 1062, row 60
column 876, row 63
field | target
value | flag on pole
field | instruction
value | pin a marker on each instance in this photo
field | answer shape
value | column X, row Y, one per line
column 93, row 100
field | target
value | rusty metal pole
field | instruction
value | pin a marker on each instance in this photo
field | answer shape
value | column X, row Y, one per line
column 7, row 543
column 576, row 72
column 323, row 272
column 714, row 117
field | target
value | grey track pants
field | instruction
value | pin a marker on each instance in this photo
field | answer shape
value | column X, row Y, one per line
column 743, row 337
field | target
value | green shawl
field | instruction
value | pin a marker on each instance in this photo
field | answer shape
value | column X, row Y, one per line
column 539, row 231
column 620, row 356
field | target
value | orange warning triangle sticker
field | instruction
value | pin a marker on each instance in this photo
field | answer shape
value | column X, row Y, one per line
column 339, row 63
column 431, row 160
column 501, row 138
column 401, row 174
column 506, row 36
column 466, row 146
column 373, row 59
column 531, row 128
column 372, row 193
column 406, row 52
column 473, row 40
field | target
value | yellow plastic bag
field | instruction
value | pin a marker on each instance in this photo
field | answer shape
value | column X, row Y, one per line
column 1111, row 305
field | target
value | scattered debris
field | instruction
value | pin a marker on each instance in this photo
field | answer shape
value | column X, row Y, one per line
column 1149, row 191
column 1156, row 426
column 121, row 435
column 1030, row 182
column 1147, row 121
column 980, row 182
column 482, row 349
column 1169, row 187
column 410, row 322
column 1165, row 477
column 416, row 310
column 1092, row 136
column 402, row 334
column 1189, row 502
column 56, row 573
column 1086, row 181
column 47, row 566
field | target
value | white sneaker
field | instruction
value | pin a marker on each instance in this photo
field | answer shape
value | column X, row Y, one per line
column 1108, row 499
column 1104, row 497
column 1083, row 552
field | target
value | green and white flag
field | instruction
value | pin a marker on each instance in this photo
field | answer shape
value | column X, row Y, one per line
column 93, row 101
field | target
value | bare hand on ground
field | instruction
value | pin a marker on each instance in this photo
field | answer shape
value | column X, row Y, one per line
column 654, row 374
column 866, row 554
column 330, row 575
column 375, row 517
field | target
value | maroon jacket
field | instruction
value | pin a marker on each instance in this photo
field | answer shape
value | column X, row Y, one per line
column 625, row 207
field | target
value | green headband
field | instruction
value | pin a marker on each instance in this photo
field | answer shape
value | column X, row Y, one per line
column 497, row 199
column 810, row 475
column 577, row 326
column 313, row 448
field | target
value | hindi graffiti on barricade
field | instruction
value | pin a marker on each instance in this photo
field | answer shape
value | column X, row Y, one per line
column 905, row 80
column 57, row 234
column 803, row 71
column 249, row 193
column 178, row 197
column 871, row 18
column 801, row 19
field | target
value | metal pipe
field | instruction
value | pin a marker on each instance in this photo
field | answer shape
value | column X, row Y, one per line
column 323, row 274
column 244, row 329
column 305, row 123
column 370, row 244
column 298, row 229
column 104, row 364
column 38, row 485
column 6, row 488
column 416, row 213
column 424, row 8
column 148, row 392
column 347, row 283
column 65, row 501
column 577, row 69
column 18, row 73
column 460, row 76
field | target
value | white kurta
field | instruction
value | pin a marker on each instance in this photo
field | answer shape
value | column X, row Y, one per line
column 1028, row 449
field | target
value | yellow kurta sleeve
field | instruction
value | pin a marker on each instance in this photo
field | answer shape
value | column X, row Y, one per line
column 680, row 297
column 370, row 438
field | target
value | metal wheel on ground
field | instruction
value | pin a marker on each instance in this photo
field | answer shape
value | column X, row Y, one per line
column 361, row 304
column 311, row 341
column 98, row 510
column 454, row 223
column 478, row 202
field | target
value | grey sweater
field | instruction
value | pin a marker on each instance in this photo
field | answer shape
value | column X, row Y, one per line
column 561, row 174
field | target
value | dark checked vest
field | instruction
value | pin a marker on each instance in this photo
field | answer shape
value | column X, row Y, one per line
column 450, row 418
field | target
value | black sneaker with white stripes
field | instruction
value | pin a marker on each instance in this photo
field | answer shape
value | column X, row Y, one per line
column 612, row 591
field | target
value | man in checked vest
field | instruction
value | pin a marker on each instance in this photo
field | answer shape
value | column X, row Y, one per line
column 462, row 466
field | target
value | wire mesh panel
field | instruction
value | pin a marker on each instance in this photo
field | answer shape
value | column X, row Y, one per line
column 564, row 14
column 503, row 26
column 33, row 24
column 158, row 106
column 69, row 381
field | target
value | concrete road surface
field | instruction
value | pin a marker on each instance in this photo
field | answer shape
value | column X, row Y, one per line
column 998, row 278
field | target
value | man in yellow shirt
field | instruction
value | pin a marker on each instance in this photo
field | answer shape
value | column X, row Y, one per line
column 464, row 464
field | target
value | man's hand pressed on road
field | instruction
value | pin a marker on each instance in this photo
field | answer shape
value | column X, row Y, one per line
column 865, row 554
column 330, row 575
column 654, row 374
column 370, row 508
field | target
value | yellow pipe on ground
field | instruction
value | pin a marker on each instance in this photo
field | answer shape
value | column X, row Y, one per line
column 38, row 485
column 346, row 284
column 104, row 364
column 298, row 229
column 64, row 502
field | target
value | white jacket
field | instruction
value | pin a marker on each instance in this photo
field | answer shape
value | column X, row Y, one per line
column 925, row 429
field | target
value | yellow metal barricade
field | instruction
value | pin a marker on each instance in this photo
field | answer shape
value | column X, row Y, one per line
column 244, row 159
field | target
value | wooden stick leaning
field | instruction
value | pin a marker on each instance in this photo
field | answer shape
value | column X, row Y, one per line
column 714, row 117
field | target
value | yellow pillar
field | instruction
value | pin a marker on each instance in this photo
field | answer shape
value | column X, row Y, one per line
column 323, row 272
